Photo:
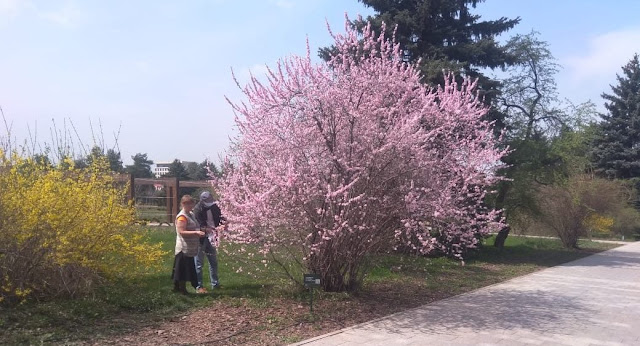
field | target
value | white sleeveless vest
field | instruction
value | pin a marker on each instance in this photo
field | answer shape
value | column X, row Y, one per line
column 188, row 245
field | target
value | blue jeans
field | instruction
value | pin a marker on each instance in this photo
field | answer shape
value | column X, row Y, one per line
column 209, row 250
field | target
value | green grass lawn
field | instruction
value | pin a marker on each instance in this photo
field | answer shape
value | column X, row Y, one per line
column 394, row 282
column 151, row 213
column 122, row 305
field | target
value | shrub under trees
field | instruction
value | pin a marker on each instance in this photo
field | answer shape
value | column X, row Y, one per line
column 577, row 207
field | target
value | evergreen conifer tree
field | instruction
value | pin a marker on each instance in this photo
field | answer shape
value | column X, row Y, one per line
column 616, row 147
column 444, row 34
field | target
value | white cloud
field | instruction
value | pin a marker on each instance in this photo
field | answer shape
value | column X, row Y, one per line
column 11, row 8
column 69, row 15
column 606, row 55
column 286, row 4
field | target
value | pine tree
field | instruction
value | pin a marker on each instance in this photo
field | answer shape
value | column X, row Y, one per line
column 178, row 170
column 444, row 35
column 616, row 148
column 141, row 167
column 115, row 161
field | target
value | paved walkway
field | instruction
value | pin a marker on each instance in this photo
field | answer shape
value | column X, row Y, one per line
column 621, row 242
column 591, row 301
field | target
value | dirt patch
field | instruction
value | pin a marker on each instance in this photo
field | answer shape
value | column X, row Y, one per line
column 279, row 321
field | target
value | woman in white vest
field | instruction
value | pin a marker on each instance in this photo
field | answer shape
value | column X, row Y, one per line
column 187, row 240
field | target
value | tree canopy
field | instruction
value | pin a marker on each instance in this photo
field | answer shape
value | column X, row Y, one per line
column 538, row 124
column 178, row 170
column 112, row 157
column 445, row 35
column 616, row 147
column 141, row 167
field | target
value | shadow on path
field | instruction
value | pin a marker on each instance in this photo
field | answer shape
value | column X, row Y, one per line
column 612, row 259
column 487, row 310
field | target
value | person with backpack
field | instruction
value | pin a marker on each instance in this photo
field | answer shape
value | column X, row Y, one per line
column 208, row 214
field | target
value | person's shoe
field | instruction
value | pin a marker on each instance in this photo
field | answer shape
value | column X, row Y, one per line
column 201, row 290
column 217, row 285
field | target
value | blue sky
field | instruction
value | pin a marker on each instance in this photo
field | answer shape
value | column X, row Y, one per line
column 160, row 69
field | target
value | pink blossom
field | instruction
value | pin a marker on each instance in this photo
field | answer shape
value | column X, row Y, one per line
column 337, row 160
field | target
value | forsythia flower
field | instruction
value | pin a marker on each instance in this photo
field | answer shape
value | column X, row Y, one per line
column 599, row 223
column 77, row 217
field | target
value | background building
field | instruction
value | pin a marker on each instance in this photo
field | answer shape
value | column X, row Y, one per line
column 161, row 168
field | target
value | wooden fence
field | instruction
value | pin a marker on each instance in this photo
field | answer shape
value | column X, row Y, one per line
column 171, row 187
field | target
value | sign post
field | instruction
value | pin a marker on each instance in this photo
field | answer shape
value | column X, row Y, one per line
column 311, row 281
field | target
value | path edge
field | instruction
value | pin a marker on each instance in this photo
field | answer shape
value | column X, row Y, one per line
column 340, row 331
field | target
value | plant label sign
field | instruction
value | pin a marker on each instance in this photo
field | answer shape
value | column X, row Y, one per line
column 311, row 280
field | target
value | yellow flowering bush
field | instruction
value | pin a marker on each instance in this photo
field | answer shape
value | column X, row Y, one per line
column 599, row 223
column 582, row 205
column 63, row 230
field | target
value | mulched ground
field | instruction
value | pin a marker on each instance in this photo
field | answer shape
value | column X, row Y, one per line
column 282, row 320
column 279, row 321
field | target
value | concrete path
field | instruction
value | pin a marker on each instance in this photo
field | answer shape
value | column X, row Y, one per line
column 591, row 301
column 621, row 242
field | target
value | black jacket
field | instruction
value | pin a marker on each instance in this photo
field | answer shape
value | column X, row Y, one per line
column 200, row 211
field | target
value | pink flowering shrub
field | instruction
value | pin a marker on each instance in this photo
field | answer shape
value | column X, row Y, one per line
column 338, row 160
